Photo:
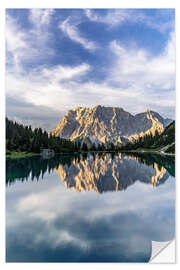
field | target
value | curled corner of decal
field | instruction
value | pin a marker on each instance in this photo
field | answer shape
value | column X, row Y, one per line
column 163, row 252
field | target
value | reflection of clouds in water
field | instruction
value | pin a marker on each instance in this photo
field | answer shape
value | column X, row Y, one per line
column 51, row 249
column 81, row 239
column 47, row 222
column 40, row 204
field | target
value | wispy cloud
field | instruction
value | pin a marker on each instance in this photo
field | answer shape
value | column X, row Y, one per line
column 115, row 17
column 142, row 69
column 28, row 46
column 15, row 42
column 54, row 87
column 73, row 33
column 59, row 73
column 40, row 16
column 135, row 82
column 135, row 78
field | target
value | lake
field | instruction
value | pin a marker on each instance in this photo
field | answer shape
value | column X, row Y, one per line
column 88, row 208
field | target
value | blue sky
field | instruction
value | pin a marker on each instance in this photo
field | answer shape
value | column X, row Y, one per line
column 59, row 59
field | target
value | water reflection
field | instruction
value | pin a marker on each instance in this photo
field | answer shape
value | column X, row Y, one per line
column 48, row 222
column 104, row 173
column 100, row 172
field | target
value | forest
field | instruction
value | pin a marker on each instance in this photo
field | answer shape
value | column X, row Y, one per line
column 22, row 138
column 156, row 141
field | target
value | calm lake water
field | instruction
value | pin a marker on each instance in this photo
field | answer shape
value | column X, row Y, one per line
column 88, row 208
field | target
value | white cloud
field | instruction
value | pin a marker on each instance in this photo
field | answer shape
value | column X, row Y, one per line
column 65, row 72
column 141, row 83
column 40, row 19
column 115, row 17
column 15, row 41
column 137, row 67
column 28, row 46
column 134, row 81
column 47, row 86
column 62, row 96
column 73, row 33
column 40, row 16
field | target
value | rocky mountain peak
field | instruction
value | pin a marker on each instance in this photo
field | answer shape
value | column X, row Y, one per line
column 107, row 124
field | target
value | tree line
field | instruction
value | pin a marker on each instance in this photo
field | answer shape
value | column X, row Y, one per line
column 25, row 139
column 158, row 140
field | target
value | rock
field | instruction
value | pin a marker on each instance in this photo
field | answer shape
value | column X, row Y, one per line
column 107, row 124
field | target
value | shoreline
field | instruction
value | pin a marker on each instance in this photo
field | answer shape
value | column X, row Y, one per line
column 141, row 151
column 16, row 154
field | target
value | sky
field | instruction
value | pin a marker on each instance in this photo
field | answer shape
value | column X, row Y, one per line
column 60, row 59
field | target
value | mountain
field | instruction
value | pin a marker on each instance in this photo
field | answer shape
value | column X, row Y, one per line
column 166, row 139
column 107, row 125
column 104, row 173
column 163, row 142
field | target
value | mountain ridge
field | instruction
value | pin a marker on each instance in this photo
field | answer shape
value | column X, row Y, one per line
column 106, row 125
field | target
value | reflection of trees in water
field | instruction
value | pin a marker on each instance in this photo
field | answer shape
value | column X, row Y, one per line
column 168, row 162
column 35, row 167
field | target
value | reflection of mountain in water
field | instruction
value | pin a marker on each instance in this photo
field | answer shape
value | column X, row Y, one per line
column 99, row 172
column 106, row 174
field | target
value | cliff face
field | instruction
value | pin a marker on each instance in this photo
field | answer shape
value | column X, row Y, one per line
column 107, row 124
